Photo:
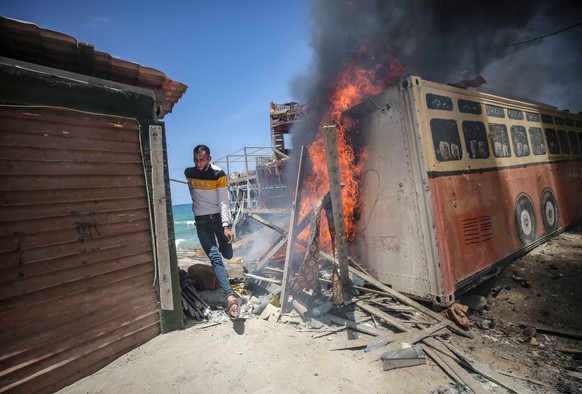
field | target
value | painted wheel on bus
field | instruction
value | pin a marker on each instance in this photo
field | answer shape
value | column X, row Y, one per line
column 525, row 219
column 549, row 211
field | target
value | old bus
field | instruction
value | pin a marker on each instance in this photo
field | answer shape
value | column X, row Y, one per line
column 458, row 183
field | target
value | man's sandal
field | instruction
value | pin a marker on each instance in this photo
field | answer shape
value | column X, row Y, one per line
column 233, row 308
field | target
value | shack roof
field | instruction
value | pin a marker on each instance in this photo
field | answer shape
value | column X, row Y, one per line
column 25, row 41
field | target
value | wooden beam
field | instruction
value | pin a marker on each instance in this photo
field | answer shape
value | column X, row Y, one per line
column 291, row 235
column 553, row 330
column 267, row 223
column 355, row 326
column 398, row 296
column 396, row 363
column 335, row 188
column 263, row 278
column 391, row 321
column 485, row 370
column 271, row 252
column 451, row 365
column 160, row 218
column 394, row 340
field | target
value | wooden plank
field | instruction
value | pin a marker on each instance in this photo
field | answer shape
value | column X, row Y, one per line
column 271, row 252
column 263, row 278
column 445, row 366
column 391, row 321
column 553, row 330
column 395, row 340
column 286, row 280
column 267, row 223
column 486, row 371
column 335, row 188
column 161, row 238
column 396, row 363
column 397, row 295
column 569, row 350
column 332, row 331
column 451, row 365
column 355, row 326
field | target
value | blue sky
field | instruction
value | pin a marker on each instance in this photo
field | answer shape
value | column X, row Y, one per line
column 235, row 56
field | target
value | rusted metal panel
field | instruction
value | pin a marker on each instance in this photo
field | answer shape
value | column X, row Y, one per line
column 438, row 212
column 393, row 238
column 76, row 256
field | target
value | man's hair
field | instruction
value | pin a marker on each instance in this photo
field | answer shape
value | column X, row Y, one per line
column 201, row 148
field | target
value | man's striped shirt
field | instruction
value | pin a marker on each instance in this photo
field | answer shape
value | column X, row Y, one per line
column 208, row 191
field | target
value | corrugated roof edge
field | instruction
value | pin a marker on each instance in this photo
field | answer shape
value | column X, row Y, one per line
column 28, row 42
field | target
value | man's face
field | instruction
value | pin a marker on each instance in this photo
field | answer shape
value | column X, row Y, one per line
column 201, row 160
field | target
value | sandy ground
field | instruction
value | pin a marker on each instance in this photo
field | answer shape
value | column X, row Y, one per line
column 261, row 356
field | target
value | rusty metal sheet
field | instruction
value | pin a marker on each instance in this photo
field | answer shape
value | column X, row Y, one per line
column 76, row 255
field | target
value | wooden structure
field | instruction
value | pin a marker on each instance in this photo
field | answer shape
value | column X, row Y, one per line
column 87, row 257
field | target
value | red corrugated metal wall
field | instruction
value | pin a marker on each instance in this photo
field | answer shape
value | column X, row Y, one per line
column 76, row 259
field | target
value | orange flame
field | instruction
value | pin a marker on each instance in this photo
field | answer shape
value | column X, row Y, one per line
column 351, row 87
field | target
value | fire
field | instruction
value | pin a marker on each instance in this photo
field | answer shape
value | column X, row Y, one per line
column 352, row 86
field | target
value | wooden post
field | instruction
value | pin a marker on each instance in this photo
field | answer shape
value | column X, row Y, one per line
column 291, row 235
column 160, row 219
column 335, row 189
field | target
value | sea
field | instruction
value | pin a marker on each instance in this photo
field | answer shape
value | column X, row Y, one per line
column 184, row 227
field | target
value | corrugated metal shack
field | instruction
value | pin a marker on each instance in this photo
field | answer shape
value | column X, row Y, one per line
column 87, row 258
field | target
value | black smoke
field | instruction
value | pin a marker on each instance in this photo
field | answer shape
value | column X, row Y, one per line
column 446, row 41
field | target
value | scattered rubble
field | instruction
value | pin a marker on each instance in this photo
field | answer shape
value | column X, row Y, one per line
column 489, row 338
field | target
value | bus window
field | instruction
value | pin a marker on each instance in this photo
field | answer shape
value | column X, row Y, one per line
column 532, row 117
column 549, row 119
column 435, row 101
column 573, row 142
column 446, row 139
column 475, row 139
column 563, row 137
column 499, row 140
column 519, row 138
column 469, row 107
column 553, row 145
column 559, row 120
column 537, row 141
column 569, row 122
column 514, row 114
column 579, row 124
column 495, row 111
